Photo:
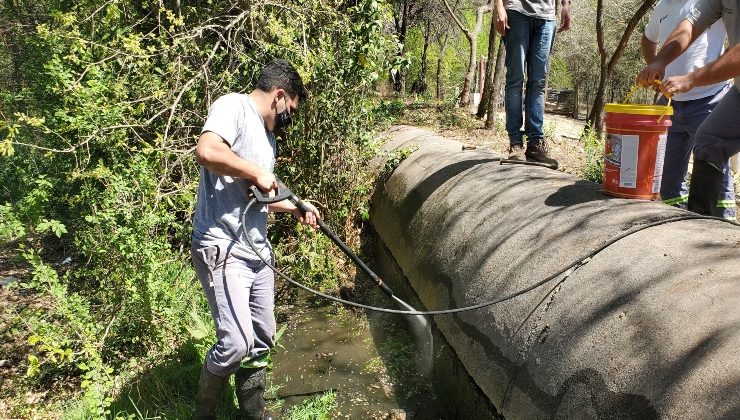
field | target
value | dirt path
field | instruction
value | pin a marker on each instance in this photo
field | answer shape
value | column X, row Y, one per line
column 563, row 133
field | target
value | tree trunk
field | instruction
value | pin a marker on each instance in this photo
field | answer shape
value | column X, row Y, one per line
column 549, row 58
column 472, row 37
column 486, row 96
column 594, row 118
column 608, row 65
column 468, row 82
column 398, row 78
column 498, row 80
column 576, row 99
column 438, row 76
column 420, row 84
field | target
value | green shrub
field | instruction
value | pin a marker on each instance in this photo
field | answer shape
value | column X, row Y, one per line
column 388, row 112
column 593, row 145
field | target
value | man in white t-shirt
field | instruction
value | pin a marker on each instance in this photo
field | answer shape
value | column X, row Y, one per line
column 690, row 108
column 718, row 137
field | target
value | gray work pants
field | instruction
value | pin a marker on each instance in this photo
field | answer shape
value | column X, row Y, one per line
column 241, row 295
column 718, row 137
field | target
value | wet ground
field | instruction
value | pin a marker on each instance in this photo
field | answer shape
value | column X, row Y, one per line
column 372, row 365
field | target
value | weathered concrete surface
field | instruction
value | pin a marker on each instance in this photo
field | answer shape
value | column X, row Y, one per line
column 650, row 327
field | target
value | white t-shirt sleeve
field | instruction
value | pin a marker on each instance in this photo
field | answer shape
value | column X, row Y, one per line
column 652, row 30
column 223, row 118
column 704, row 13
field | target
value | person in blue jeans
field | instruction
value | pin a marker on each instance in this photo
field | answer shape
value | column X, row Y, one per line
column 690, row 108
column 528, row 31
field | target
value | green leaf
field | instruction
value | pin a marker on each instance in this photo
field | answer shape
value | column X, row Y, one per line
column 33, row 366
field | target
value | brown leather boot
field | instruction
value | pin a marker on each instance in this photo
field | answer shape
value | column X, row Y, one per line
column 538, row 152
column 516, row 152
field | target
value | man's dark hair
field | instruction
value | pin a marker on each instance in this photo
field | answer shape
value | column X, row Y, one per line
column 280, row 74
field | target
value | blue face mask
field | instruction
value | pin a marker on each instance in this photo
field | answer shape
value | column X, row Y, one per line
column 283, row 120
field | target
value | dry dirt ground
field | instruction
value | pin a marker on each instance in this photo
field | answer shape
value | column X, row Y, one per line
column 13, row 349
column 563, row 134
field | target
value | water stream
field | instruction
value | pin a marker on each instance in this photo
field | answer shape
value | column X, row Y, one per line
column 422, row 330
column 325, row 349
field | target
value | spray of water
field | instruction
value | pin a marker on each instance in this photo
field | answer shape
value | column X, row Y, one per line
column 422, row 330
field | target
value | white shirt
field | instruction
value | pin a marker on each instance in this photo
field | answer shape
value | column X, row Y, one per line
column 707, row 48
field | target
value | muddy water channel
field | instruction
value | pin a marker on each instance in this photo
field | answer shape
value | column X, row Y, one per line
column 369, row 360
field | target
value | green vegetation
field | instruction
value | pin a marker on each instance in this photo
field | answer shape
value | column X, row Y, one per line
column 101, row 106
column 398, row 359
column 594, row 148
column 315, row 408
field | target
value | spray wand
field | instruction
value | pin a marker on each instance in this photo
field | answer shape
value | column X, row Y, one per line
column 283, row 193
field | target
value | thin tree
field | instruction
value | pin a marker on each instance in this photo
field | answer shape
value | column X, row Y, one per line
column 472, row 36
column 498, row 80
column 443, row 40
column 609, row 64
column 487, row 95
column 402, row 18
column 420, row 84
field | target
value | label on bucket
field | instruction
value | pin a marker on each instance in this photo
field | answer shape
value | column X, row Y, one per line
column 624, row 155
column 659, row 159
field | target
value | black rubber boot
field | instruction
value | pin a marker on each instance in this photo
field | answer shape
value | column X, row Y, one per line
column 250, row 390
column 706, row 184
column 210, row 391
column 539, row 152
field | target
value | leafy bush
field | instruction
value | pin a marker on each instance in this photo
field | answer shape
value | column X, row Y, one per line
column 388, row 112
column 10, row 226
column 102, row 105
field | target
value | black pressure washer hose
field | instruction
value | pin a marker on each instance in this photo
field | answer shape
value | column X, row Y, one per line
column 283, row 193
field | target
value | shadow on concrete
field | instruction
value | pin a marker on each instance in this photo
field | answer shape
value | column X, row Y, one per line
column 579, row 192
column 422, row 191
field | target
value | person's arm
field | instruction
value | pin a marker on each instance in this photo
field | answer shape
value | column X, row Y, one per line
column 701, row 16
column 650, row 38
column 679, row 40
column 311, row 218
column 726, row 67
column 649, row 49
column 502, row 22
column 565, row 17
column 213, row 153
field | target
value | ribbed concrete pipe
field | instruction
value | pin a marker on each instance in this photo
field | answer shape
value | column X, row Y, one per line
column 648, row 328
